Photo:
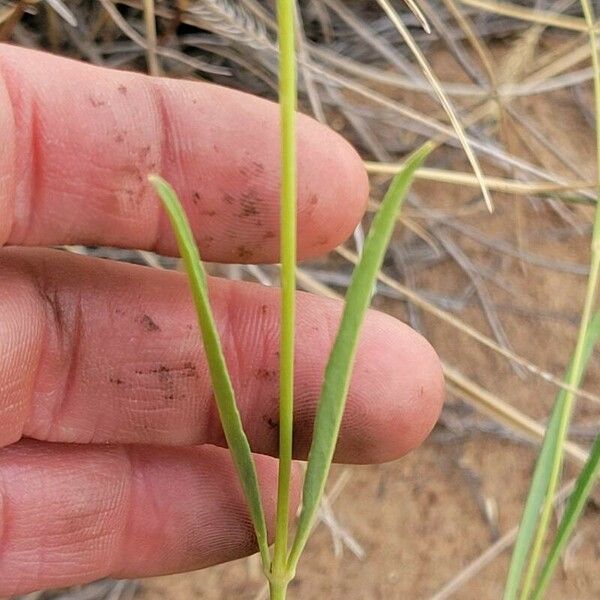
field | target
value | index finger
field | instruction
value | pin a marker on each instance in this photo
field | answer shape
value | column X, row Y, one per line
column 79, row 142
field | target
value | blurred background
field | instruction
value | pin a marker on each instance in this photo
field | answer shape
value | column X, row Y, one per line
column 498, row 295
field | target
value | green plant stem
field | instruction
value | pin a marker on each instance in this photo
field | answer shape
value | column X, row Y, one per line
column 287, row 104
column 278, row 590
column 588, row 306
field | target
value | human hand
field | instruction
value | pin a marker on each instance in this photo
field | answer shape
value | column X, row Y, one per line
column 114, row 460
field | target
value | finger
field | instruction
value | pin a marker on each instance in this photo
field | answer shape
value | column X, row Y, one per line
column 78, row 143
column 72, row 514
column 97, row 351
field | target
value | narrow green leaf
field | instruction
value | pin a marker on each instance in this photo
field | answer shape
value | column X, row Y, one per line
column 541, row 476
column 221, row 382
column 578, row 499
column 535, row 499
column 339, row 366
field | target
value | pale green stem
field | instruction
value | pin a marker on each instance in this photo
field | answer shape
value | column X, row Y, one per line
column 287, row 103
column 588, row 306
column 278, row 590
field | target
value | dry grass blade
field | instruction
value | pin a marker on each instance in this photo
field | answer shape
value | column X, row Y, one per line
column 132, row 34
column 504, row 413
column 414, row 7
column 377, row 42
column 528, row 14
column 499, row 184
column 304, row 59
column 150, row 23
column 478, row 45
column 395, row 18
column 63, row 11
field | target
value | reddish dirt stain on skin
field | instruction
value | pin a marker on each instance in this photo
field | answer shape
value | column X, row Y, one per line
column 266, row 374
column 148, row 324
column 322, row 240
column 122, row 89
column 195, row 197
column 144, row 152
column 116, row 380
column 313, row 200
column 244, row 252
column 119, row 138
column 248, row 209
column 249, row 202
column 268, row 235
column 167, row 374
column 264, row 309
column 207, row 240
column 208, row 213
column 168, row 377
column 272, row 423
column 255, row 168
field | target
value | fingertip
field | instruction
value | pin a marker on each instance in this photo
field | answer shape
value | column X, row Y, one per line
column 405, row 392
column 333, row 188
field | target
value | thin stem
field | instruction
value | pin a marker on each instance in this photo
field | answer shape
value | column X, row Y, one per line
column 278, row 590
column 150, row 24
column 287, row 103
column 588, row 306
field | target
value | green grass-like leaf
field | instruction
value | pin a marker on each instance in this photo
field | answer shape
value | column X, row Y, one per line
column 339, row 366
column 577, row 501
column 221, row 381
column 541, row 476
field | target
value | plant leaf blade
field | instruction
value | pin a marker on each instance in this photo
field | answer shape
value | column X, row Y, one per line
column 339, row 366
column 578, row 499
column 541, row 477
column 221, row 381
